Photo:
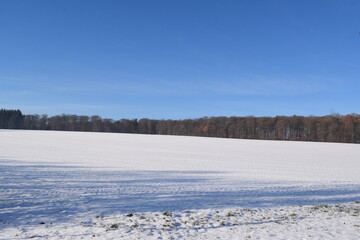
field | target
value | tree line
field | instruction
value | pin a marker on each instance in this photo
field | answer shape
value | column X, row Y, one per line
column 330, row 128
column 11, row 119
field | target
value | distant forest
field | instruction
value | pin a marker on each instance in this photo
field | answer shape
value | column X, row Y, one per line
column 330, row 128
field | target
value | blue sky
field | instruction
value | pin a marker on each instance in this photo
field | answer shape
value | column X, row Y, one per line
column 180, row 59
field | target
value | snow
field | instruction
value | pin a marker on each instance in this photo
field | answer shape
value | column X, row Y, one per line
column 76, row 185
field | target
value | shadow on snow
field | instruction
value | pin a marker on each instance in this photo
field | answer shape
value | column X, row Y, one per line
column 48, row 192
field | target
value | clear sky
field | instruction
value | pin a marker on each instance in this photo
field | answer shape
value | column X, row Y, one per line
column 180, row 59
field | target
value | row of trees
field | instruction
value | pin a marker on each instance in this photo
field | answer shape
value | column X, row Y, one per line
column 331, row 128
column 12, row 119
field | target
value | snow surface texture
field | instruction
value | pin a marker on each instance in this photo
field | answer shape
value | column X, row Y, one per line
column 75, row 185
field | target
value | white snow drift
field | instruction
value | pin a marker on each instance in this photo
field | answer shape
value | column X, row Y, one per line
column 74, row 185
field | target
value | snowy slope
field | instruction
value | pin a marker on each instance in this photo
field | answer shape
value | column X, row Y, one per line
column 77, row 180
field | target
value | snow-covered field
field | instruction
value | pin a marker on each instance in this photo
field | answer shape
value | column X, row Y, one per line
column 75, row 185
